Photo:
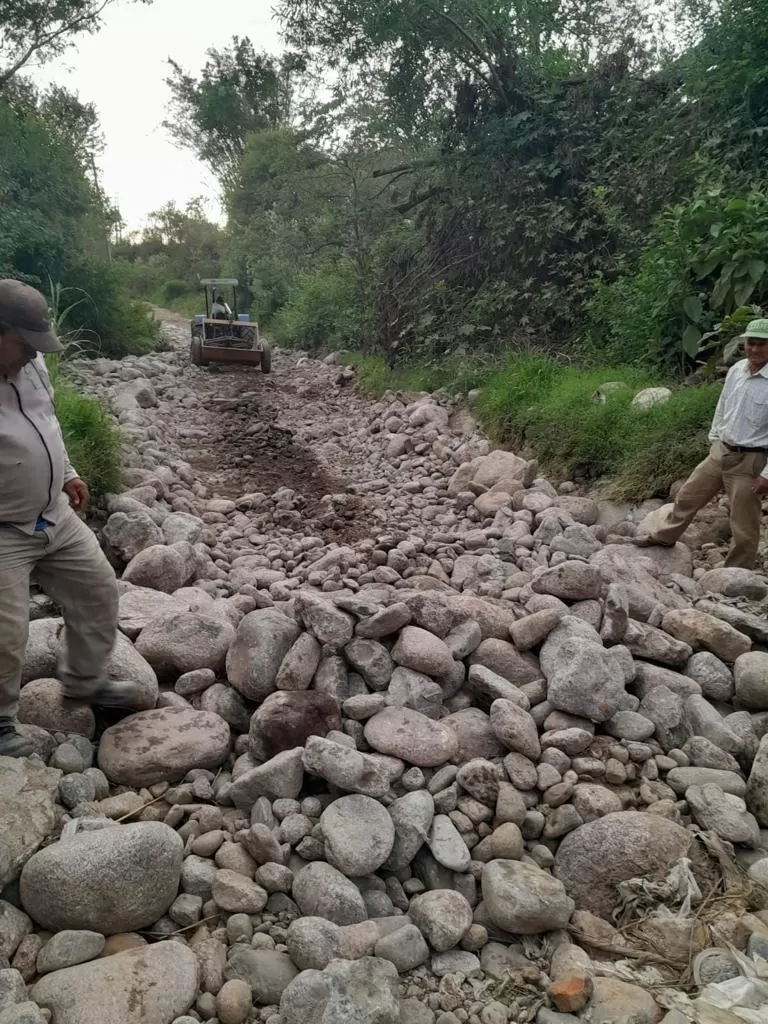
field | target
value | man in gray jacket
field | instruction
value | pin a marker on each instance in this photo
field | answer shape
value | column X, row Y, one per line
column 41, row 536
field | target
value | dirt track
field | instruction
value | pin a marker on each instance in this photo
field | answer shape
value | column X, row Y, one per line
column 256, row 432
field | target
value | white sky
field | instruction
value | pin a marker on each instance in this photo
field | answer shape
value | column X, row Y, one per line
column 122, row 70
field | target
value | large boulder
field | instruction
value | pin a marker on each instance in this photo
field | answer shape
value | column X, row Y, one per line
column 592, row 859
column 138, row 606
column 570, row 581
column 115, row 879
column 698, row 629
column 28, row 792
column 422, row 651
column 126, row 664
column 265, row 971
column 162, row 745
column 153, row 984
column 160, row 567
column 524, row 900
column 364, row 991
column 42, row 703
column 288, row 718
column 181, row 526
column 43, row 645
column 757, row 784
column 359, row 834
column 346, row 767
column 735, row 582
column 402, row 732
column 128, row 533
column 262, row 640
column 328, row 624
column 750, row 674
column 182, row 642
column 588, row 680
column 321, row 891
column 412, row 816
column 442, row 916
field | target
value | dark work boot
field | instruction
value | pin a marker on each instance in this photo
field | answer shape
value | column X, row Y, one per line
column 12, row 743
column 112, row 694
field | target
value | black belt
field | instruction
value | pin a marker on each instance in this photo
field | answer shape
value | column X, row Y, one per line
column 742, row 448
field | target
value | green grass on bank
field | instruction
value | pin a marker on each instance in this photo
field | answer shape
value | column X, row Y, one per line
column 91, row 438
column 548, row 409
column 454, row 375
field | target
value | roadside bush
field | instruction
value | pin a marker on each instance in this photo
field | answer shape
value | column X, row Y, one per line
column 320, row 311
column 707, row 258
column 107, row 321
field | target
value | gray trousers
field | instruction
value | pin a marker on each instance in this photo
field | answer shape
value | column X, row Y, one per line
column 67, row 562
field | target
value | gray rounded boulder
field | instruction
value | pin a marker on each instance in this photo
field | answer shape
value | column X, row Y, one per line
column 162, row 745
column 116, row 879
column 595, row 857
column 154, row 984
column 262, row 640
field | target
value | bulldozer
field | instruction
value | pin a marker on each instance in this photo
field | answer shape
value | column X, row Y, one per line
column 229, row 336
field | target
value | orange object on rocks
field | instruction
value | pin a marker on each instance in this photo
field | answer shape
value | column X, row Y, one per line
column 571, row 994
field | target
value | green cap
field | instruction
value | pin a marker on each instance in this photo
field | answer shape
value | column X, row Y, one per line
column 757, row 329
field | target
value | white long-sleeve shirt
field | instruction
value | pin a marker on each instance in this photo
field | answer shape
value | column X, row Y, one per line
column 741, row 416
column 34, row 465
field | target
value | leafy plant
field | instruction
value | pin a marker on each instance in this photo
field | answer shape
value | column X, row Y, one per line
column 320, row 312
column 709, row 257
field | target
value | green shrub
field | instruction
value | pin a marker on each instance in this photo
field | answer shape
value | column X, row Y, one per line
column 706, row 259
column 107, row 321
column 92, row 439
column 174, row 289
column 320, row 312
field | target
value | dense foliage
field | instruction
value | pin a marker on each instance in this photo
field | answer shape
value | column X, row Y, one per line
column 436, row 180
column 55, row 221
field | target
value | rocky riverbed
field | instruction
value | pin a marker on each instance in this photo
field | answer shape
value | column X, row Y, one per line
column 417, row 738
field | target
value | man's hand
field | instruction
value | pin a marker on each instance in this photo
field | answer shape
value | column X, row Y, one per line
column 760, row 485
column 77, row 492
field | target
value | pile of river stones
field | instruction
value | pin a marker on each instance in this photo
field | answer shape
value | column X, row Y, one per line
column 402, row 780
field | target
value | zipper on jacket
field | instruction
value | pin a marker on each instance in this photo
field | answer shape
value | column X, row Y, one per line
column 42, row 442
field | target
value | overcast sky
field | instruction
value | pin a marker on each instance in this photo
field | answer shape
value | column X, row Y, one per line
column 122, row 70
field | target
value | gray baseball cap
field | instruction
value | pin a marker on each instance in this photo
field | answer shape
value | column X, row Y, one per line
column 25, row 309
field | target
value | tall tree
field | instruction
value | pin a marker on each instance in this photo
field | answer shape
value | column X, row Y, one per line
column 238, row 91
column 39, row 30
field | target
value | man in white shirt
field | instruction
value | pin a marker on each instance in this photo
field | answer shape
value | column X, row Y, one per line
column 41, row 536
column 220, row 310
column 736, row 462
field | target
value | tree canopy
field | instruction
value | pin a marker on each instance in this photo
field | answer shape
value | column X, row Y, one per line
column 470, row 175
column 39, row 30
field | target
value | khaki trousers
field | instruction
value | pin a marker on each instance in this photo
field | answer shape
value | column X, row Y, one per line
column 69, row 565
column 732, row 472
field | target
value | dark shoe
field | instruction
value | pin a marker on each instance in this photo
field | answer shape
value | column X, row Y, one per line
column 644, row 540
column 12, row 743
column 111, row 694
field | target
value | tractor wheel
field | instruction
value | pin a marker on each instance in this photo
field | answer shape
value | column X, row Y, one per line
column 266, row 359
column 196, row 352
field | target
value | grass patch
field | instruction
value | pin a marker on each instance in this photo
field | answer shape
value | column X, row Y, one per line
column 536, row 404
column 92, row 440
column 550, row 409
column 456, row 374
